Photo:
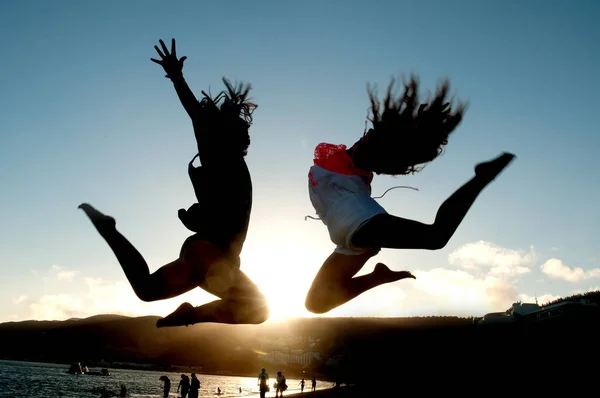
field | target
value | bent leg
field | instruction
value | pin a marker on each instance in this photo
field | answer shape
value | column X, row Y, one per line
column 335, row 284
column 168, row 281
column 241, row 302
column 399, row 233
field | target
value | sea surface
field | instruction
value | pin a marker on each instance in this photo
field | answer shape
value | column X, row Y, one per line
column 43, row 380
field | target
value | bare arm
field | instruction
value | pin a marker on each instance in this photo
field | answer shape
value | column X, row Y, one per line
column 174, row 69
column 186, row 96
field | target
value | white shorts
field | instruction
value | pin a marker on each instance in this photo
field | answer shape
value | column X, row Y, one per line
column 344, row 204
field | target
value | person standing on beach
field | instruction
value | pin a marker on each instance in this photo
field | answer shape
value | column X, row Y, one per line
column 210, row 258
column 184, row 384
column 301, row 386
column 194, row 387
column 281, row 384
column 166, row 386
column 314, row 383
column 263, row 382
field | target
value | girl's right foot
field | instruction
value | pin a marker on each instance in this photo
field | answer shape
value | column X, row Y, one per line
column 182, row 316
column 387, row 275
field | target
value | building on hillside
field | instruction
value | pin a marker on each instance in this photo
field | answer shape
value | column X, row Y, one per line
column 294, row 357
column 566, row 309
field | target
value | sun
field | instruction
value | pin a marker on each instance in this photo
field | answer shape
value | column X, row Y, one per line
column 283, row 274
column 285, row 296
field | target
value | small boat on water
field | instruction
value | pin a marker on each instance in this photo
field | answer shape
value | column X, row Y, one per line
column 77, row 369
column 103, row 372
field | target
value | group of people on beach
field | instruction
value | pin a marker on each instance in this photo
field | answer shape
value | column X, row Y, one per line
column 280, row 384
column 405, row 135
column 189, row 388
column 313, row 384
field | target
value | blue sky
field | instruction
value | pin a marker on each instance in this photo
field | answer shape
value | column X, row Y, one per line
column 88, row 118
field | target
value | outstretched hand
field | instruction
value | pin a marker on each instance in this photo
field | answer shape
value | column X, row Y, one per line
column 172, row 66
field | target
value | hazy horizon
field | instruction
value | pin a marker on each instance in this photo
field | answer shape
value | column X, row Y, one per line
column 89, row 118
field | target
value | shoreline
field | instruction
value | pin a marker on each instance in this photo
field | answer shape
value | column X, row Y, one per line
column 142, row 368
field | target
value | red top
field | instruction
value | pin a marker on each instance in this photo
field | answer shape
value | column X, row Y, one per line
column 335, row 159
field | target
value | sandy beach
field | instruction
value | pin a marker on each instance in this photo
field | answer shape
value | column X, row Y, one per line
column 326, row 393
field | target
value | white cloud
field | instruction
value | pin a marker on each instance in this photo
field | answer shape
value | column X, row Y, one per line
column 439, row 291
column 501, row 261
column 65, row 275
column 62, row 274
column 56, row 306
column 98, row 296
column 555, row 268
column 19, row 300
column 385, row 301
column 484, row 284
column 461, row 293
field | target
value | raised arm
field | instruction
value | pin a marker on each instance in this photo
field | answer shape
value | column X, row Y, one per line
column 174, row 69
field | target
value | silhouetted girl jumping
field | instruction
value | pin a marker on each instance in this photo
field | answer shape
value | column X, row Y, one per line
column 404, row 134
column 210, row 258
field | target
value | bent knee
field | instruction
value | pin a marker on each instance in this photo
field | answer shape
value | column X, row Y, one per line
column 317, row 303
column 260, row 314
column 437, row 240
column 146, row 295
column 257, row 310
column 254, row 303
column 317, row 308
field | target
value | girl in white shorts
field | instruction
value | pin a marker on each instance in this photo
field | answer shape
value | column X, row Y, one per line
column 404, row 135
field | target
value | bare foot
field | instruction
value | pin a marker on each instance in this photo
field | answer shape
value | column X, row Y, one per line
column 183, row 315
column 103, row 223
column 490, row 169
column 387, row 275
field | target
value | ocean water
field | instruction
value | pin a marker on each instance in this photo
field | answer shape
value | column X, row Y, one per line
column 42, row 380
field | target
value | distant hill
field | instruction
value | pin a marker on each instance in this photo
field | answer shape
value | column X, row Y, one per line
column 593, row 297
column 351, row 348
column 215, row 347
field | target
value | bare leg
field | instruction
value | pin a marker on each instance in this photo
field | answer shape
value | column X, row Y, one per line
column 335, row 284
column 241, row 302
column 398, row 233
column 168, row 281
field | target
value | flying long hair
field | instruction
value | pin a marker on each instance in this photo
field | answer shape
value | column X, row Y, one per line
column 412, row 132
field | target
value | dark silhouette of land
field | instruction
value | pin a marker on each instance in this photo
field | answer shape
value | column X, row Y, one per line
column 362, row 351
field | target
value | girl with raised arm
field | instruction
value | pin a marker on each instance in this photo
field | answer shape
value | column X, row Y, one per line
column 210, row 258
